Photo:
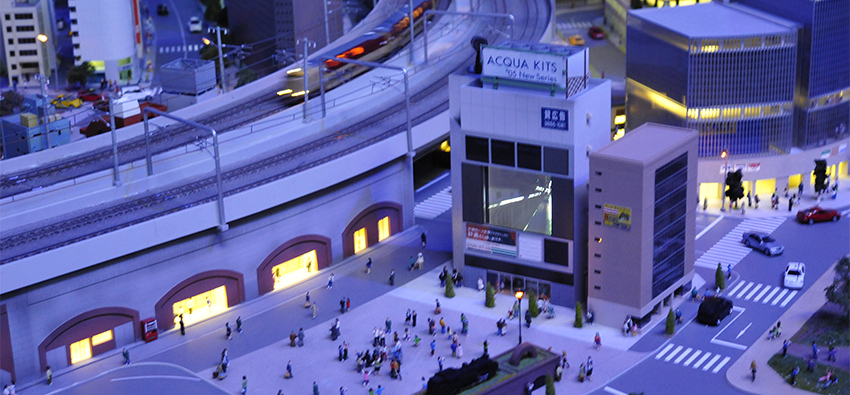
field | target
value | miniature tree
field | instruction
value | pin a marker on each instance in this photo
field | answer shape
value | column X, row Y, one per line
column 533, row 308
column 450, row 288
column 671, row 322
column 579, row 316
column 550, row 385
column 719, row 278
column 490, row 300
column 839, row 291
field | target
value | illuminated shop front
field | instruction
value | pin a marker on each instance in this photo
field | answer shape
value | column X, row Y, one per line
column 293, row 261
column 89, row 335
column 200, row 306
column 370, row 226
column 199, row 297
column 294, row 270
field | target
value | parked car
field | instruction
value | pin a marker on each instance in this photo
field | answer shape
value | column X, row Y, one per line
column 596, row 33
column 195, row 25
column 817, row 214
column 712, row 310
column 66, row 101
column 576, row 39
column 91, row 95
column 795, row 275
column 135, row 92
column 762, row 242
column 162, row 10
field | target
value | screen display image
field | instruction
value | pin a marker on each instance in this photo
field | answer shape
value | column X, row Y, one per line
column 519, row 200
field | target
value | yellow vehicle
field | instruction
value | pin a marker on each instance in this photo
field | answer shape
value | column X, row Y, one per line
column 63, row 101
column 576, row 39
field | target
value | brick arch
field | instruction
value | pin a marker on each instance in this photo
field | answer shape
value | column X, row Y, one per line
column 234, row 285
column 292, row 249
column 368, row 218
column 86, row 325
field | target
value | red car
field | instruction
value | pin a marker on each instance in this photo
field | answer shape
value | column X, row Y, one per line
column 596, row 33
column 817, row 214
column 90, row 95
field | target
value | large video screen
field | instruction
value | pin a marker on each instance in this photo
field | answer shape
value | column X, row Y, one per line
column 519, row 200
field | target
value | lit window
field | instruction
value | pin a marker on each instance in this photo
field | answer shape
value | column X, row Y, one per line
column 383, row 228
column 80, row 351
column 101, row 338
column 360, row 240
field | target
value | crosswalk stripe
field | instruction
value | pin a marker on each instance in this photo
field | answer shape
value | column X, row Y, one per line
column 770, row 295
column 711, row 362
column 764, row 291
column 720, row 365
column 753, row 292
column 691, row 359
column 701, row 360
column 735, row 289
column 743, row 291
column 788, row 299
column 781, row 294
column 664, row 351
column 673, row 354
column 684, row 354
column 729, row 250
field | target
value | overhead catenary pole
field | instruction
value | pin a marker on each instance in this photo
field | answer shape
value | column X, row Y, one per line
column 220, row 58
column 116, row 177
column 327, row 29
column 410, row 58
column 44, row 81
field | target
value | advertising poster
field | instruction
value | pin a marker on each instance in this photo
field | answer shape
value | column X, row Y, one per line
column 618, row 216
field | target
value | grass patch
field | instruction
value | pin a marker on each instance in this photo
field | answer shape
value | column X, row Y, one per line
column 809, row 380
column 824, row 326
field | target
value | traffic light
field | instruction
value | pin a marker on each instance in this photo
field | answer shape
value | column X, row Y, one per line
column 733, row 181
column 820, row 174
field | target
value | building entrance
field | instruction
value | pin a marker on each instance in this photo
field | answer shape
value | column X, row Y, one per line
column 201, row 306
column 510, row 283
column 294, row 270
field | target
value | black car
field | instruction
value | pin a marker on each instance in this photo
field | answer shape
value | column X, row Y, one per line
column 162, row 9
column 713, row 309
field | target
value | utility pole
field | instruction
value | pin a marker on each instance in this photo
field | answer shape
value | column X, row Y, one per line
column 116, row 176
column 410, row 57
column 44, row 81
column 307, row 44
column 220, row 56
column 327, row 29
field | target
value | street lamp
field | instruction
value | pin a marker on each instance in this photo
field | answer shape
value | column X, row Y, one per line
column 43, row 39
column 725, row 156
column 519, row 302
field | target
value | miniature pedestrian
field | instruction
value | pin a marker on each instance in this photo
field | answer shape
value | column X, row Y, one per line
column 810, row 365
column 589, row 369
column 423, row 239
column 728, row 271
column 815, row 351
column 244, row 385
column 785, row 345
column 407, row 316
column 440, row 363
column 126, row 355
column 307, row 303
column 480, row 284
column 756, row 198
column 433, row 346
column 705, row 203
column 800, row 188
column 831, row 352
column 315, row 388
column 344, row 351
column 794, row 374
column 342, row 305
column 582, row 372
column 309, row 265
column 438, row 309
column 486, row 347
column 369, row 266
column 564, row 363
column 49, row 372
column 239, row 324
column 388, row 324
column 412, row 264
column 347, row 304
column 292, row 338
column 598, row 341
column 225, row 361
column 786, row 190
column 749, row 199
column 331, row 281
column 301, row 337
column 315, row 310
column 753, row 369
column 365, row 377
column 342, row 390
column 528, row 318
column 182, row 326
column 459, row 351
column 228, row 329
column 413, row 319
column 442, row 325
column 392, row 278
column 420, row 261
column 790, row 203
column 289, row 374
column 416, row 340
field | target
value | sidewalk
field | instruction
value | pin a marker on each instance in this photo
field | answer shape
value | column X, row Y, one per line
column 769, row 381
column 841, row 201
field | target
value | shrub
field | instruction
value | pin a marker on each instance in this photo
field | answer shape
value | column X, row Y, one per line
column 671, row 322
column 532, row 304
column 719, row 278
column 550, row 385
column 490, row 300
column 579, row 316
column 450, row 288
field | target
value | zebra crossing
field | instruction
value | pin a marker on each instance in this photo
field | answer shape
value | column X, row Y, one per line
column 435, row 205
column 729, row 250
column 180, row 48
column 761, row 293
column 694, row 359
column 574, row 25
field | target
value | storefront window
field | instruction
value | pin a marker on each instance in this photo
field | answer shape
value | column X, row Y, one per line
column 359, row 240
column 101, row 338
column 294, row 270
column 201, row 306
column 383, row 228
column 80, row 351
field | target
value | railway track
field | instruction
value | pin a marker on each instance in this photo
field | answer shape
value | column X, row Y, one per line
column 94, row 221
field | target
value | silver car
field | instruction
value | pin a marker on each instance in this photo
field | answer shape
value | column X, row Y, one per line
column 762, row 242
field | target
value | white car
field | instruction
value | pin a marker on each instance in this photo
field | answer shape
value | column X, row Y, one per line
column 135, row 92
column 795, row 275
column 195, row 25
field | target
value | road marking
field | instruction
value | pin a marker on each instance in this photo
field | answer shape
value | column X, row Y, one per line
column 781, row 294
column 753, row 292
column 743, row 291
column 743, row 330
column 732, row 292
column 721, row 364
column 711, row 362
column 613, row 391
column 740, row 311
column 684, row 354
column 664, row 351
column 729, row 344
column 673, row 354
column 770, row 295
column 788, row 299
column 729, row 250
column 711, row 225
column 764, row 291
column 691, row 359
column 157, row 377
column 701, row 360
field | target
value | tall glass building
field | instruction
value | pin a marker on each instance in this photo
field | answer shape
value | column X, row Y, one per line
column 822, row 100
column 731, row 79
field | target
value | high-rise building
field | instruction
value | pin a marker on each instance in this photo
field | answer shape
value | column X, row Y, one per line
column 113, row 45
column 23, row 21
column 822, row 98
